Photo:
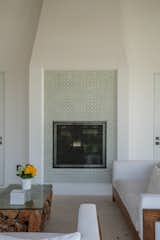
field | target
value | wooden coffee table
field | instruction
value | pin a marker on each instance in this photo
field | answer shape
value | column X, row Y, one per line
column 29, row 217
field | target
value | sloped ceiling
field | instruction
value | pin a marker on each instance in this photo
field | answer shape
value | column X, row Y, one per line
column 18, row 26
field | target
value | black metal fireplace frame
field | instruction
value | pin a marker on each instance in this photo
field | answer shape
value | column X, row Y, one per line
column 104, row 146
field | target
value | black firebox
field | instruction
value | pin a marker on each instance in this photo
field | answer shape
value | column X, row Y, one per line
column 79, row 144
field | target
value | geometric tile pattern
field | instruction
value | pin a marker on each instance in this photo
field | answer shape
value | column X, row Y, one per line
column 80, row 96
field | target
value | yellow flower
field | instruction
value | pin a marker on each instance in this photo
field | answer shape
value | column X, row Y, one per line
column 34, row 171
column 30, row 169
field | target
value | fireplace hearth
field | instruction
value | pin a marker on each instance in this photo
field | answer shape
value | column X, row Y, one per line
column 79, row 144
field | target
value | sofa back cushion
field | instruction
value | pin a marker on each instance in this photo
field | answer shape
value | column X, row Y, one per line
column 136, row 169
column 154, row 182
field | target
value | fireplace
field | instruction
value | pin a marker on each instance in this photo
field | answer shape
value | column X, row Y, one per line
column 79, row 144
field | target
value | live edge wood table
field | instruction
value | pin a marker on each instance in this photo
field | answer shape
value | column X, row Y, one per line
column 29, row 217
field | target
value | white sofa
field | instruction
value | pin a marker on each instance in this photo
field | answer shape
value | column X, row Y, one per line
column 130, row 182
column 87, row 226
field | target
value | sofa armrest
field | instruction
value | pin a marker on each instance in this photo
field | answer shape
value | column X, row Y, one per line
column 150, row 201
column 157, row 230
column 149, row 214
column 88, row 222
column 129, row 169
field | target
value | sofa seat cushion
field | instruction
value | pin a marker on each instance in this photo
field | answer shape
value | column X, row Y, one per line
column 132, row 186
column 154, row 182
column 129, row 192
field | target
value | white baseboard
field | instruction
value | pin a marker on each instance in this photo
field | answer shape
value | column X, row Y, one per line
column 82, row 188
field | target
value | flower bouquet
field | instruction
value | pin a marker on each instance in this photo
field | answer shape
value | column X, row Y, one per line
column 26, row 173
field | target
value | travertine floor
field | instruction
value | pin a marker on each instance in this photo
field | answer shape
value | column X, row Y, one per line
column 64, row 216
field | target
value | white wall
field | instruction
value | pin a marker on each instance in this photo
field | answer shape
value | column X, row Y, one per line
column 102, row 35
column 77, row 35
column 72, row 34
column 18, row 24
column 141, row 21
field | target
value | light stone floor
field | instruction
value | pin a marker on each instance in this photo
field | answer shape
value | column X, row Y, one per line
column 63, row 218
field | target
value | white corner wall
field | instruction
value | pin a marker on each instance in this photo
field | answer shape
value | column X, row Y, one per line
column 18, row 24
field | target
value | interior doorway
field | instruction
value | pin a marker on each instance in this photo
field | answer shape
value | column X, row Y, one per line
column 157, row 116
column 1, row 128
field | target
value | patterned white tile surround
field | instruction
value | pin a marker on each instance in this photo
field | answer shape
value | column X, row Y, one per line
column 80, row 96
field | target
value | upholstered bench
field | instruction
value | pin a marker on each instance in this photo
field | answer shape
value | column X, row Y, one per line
column 88, row 228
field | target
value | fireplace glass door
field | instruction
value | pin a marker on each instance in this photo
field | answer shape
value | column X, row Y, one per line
column 79, row 144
